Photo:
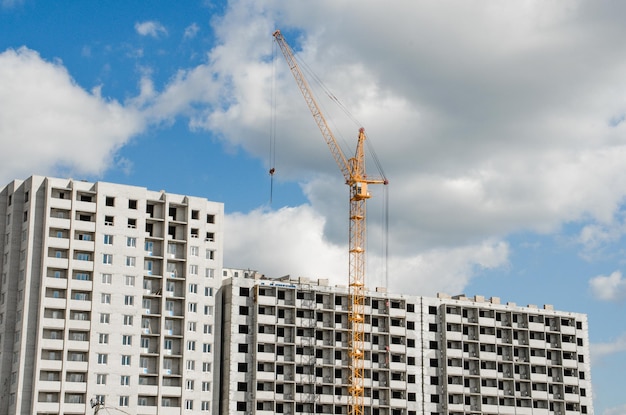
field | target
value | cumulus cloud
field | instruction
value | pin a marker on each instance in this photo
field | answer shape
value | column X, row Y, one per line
column 508, row 120
column 618, row 410
column 191, row 31
column 487, row 138
column 601, row 350
column 49, row 124
column 150, row 28
column 296, row 236
column 609, row 288
column 10, row 3
column 489, row 127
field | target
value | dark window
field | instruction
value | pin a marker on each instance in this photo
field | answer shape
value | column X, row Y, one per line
column 432, row 310
column 243, row 348
column 432, row 327
column 195, row 214
column 244, row 292
column 242, row 367
column 210, row 218
column 241, row 406
column 242, row 386
column 109, row 201
column 243, row 310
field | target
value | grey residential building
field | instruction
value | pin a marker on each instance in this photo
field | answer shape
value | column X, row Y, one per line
column 107, row 293
column 115, row 296
column 284, row 349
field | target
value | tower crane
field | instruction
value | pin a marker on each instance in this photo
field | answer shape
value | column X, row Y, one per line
column 353, row 170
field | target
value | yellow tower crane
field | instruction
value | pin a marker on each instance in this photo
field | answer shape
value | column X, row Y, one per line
column 353, row 170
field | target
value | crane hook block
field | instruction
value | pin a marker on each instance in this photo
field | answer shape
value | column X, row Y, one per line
column 272, row 171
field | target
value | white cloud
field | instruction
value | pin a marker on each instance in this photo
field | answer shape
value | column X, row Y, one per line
column 609, row 288
column 602, row 350
column 49, row 124
column 11, row 3
column 150, row 28
column 617, row 410
column 191, row 31
column 446, row 270
column 489, row 120
column 296, row 237
column 482, row 133
column 486, row 133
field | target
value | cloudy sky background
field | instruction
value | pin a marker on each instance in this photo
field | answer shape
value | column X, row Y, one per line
column 500, row 126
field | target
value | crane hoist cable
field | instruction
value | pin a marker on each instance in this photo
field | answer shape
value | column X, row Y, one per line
column 272, row 143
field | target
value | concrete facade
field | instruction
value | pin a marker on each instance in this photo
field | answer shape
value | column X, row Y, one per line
column 107, row 292
column 285, row 350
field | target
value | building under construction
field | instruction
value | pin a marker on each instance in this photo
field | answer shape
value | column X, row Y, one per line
column 114, row 298
column 285, row 349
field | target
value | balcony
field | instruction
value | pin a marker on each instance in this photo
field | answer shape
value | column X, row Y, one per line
column 171, row 390
column 52, row 365
column 80, row 305
column 49, row 386
column 54, row 302
column 60, row 223
column 87, row 246
column 150, row 390
column 60, row 263
column 50, row 407
column 75, row 387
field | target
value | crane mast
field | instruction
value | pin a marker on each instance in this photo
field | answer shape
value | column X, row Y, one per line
column 354, row 173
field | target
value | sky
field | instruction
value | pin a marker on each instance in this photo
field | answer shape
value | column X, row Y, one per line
column 499, row 125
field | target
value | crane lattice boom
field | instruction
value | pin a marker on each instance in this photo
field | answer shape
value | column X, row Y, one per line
column 353, row 170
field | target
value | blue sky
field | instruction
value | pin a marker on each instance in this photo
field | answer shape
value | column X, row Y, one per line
column 499, row 125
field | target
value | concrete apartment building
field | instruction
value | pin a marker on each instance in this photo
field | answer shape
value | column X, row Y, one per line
column 118, row 294
column 284, row 349
column 107, row 292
